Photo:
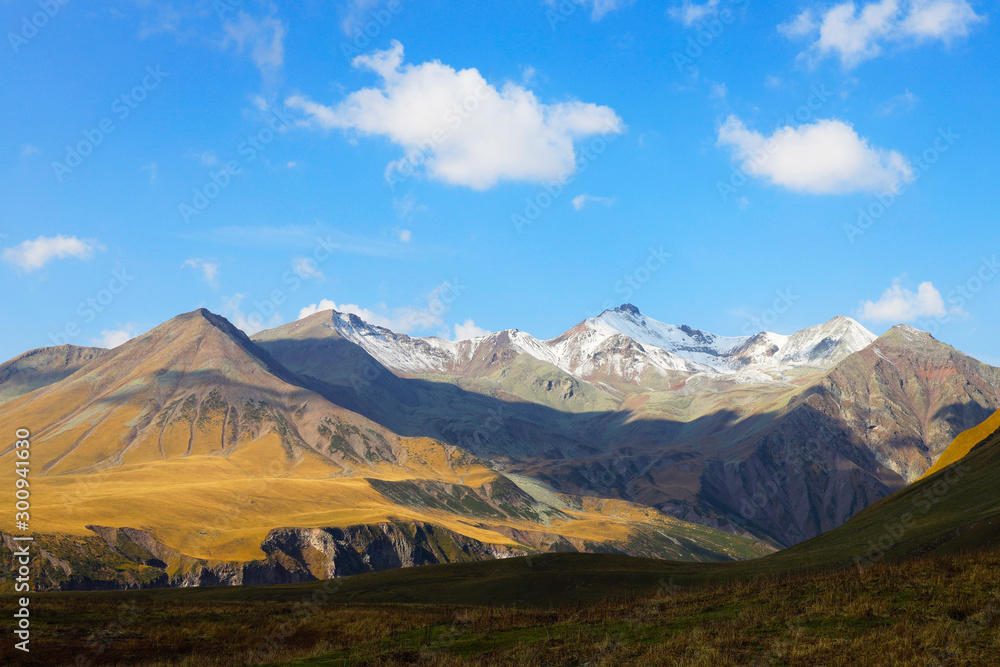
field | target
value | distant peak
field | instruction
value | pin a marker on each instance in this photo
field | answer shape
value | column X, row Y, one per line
column 907, row 330
column 905, row 334
column 628, row 309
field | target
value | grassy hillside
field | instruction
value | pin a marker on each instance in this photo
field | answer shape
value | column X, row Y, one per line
column 964, row 443
column 923, row 612
column 929, row 594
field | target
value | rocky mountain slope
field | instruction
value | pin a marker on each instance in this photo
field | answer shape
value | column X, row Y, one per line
column 612, row 437
column 781, row 437
column 39, row 368
column 200, row 440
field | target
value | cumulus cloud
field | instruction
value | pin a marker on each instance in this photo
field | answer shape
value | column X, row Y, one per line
column 856, row 34
column 824, row 157
column 581, row 202
column 258, row 319
column 899, row 304
column 468, row 330
column 112, row 338
column 34, row 255
column 456, row 128
column 406, row 319
column 263, row 38
column 688, row 13
column 209, row 270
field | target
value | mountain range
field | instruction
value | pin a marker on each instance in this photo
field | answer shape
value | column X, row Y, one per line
column 194, row 454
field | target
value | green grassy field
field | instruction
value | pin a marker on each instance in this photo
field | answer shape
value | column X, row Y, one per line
column 927, row 611
column 912, row 580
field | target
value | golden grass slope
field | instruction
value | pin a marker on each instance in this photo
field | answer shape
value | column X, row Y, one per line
column 193, row 434
column 964, row 442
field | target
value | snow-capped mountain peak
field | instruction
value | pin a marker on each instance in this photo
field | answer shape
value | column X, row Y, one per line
column 621, row 345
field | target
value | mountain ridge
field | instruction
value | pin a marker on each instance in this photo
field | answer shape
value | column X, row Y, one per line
column 622, row 340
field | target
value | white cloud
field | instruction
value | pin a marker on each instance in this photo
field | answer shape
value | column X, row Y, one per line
column 263, row 38
column 824, row 157
column 111, row 338
column 33, row 255
column 580, row 202
column 469, row 330
column 898, row 304
column 209, row 270
column 718, row 91
column 27, row 150
column 457, row 128
column 407, row 319
column 688, row 13
column 307, row 268
column 405, row 235
column 252, row 322
column 943, row 20
column 856, row 34
column 154, row 171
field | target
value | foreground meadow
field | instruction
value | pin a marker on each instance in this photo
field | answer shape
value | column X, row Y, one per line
column 943, row 611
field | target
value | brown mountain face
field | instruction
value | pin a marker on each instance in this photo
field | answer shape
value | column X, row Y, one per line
column 194, row 385
column 42, row 367
column 302, row 429
column 782, row 461
column 874, row 423
column 188, row 449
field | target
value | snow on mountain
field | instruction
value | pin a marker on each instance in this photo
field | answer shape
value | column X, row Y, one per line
column 433, row 355
column 705, row 349
column 396, row 351
column 825, row 344
column 819, row 346
column 620, row 344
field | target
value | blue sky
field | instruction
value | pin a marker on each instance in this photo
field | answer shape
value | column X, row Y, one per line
column 480, row 166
